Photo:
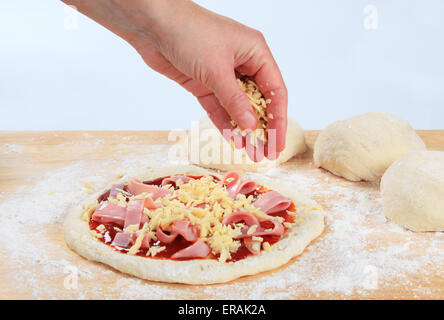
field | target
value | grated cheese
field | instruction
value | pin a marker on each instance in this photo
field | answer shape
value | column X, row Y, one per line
column 259, row 104
column 218, row 204
column 133, row 250
column 154, row 250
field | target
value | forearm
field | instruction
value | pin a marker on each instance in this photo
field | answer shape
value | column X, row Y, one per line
column 131, row 19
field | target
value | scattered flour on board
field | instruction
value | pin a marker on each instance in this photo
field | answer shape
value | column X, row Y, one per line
column 348, row 259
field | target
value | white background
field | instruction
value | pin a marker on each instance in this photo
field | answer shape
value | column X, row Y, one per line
column 56, row 77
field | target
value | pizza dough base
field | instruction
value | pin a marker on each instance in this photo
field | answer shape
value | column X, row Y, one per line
column 199, row 271
column 295, row 144
column 364, row 146
column 413, row 191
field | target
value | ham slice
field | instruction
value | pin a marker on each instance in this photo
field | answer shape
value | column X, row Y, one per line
column 277, row 230
column 145, row 241
column 232, row 184
column 134, row 212
column 173, row 179
column 126, row 240
column 239, row 216
column 135, row 187
column 253, row 246
column 249, row 219
column 272, row 202
column 247, row 187
column 183, row 227
column 236, row 186
column 108, row 212
column 122, row 239
column 115, row 190
column 199, row 249
column 149, row 204
column 164, row 237
column 188, row 231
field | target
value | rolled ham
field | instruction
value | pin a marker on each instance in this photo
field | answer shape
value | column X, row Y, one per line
column 247, row 187
column 272, row 202
column 173, row 179
column 239, row 216
column 183, row 227
column 198, row 249
column 232, row 184
column 249, row 219
column 236, row 186
column 135, row 187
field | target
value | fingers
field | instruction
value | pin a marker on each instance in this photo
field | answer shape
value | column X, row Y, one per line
column 219, row 116
column 269, row 79
column 234, row 100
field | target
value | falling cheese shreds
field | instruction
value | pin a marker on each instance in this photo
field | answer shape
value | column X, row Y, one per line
column 100, row 228
column 266, row 246
column 259, row 104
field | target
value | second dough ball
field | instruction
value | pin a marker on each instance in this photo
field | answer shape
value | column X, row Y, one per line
column 364, row 146
column 412, row 191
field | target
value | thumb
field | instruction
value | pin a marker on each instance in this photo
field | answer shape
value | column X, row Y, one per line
column 234, row 100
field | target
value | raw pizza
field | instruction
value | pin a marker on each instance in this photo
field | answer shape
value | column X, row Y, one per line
column 189, row 225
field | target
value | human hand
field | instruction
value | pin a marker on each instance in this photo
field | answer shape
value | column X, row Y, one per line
column 203, row 51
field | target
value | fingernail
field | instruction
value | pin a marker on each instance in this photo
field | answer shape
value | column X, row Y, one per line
column 247, row 121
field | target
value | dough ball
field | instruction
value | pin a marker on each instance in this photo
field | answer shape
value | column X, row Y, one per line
column 413, row 191
column 207, row 147
column 363, row 147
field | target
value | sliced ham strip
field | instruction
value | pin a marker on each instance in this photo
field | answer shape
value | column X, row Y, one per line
column 184, row 228
column 173, row 179
column 247, row 186
column 122, row 239
column 108, row 212
column 188, row 231
column 272, row 202
column 136, row 187
column 115, row 190
column 232, row 185
column 149, row 204
column 239, row 216
column 134, row 212
column 277, row 230
column 249, row 219
column 199, row 249
column 145, row 241
column 143, row 219
column 236, row 186
column 253, row 246
column 164, row 237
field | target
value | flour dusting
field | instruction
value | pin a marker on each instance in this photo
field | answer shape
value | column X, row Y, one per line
column 359, row 254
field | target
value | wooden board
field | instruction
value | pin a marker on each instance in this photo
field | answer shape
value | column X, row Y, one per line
column 25, row 157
